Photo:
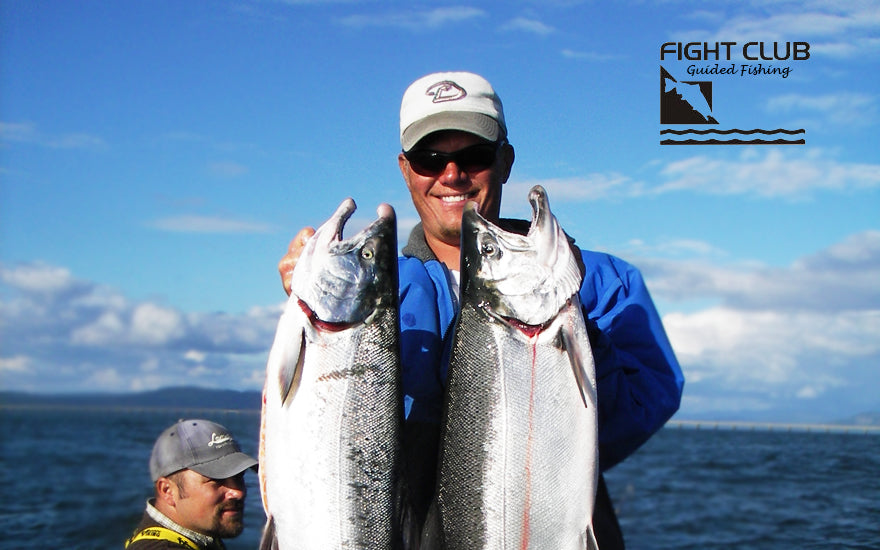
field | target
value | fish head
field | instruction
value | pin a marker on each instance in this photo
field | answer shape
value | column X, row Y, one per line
column 344, row 280
column 527, row 278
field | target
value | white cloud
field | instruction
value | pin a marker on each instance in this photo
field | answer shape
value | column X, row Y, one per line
column 27, row 132
column 837, row 29
column 208, row 224
column 153, row 382
column 851, row 48
column 37, row 277
column 106, row 379
column 730, row 340
column 19, row 363
column 525, row 24
column 808, row 331
column 227, row 169
column 150, row 364
column 414, row 20
column 771, row 354
column 843, row 109
column 107, row 329
column 194, row 356
column 155, row 325
column 72, row 336
column 769, row 173
column 590, row 56
column 840, row 278
column 672, row 248
column 585, row 188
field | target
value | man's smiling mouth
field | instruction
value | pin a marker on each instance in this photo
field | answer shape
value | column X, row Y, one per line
column 455, row 198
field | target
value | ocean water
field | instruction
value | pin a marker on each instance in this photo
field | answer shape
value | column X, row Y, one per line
column 78, row 479
column 704, row 489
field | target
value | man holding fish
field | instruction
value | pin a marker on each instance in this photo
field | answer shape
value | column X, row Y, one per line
column 455, row 152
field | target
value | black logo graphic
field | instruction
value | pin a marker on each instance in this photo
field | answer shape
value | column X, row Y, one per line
column 687, row 102
column 690, row 102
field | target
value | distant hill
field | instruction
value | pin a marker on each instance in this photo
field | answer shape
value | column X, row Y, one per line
column 176, row 397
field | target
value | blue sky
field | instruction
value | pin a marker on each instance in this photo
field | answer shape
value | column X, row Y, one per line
column 156, row 157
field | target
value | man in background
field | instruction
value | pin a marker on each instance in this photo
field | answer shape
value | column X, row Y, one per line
column 198, row 470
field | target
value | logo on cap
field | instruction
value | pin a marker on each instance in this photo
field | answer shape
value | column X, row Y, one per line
column 219, row 440
column 446, row 90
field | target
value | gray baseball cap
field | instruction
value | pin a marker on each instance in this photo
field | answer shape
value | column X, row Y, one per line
column 200, row 445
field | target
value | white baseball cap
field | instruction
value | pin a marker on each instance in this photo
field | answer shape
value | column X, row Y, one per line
column 450, row 101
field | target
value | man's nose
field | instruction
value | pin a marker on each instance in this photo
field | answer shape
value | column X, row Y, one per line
column 236, row 484
column 452, row 174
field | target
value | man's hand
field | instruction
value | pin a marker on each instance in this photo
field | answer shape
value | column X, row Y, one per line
column 288, row 262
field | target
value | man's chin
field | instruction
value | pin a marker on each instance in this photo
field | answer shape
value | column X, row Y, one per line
column 231, row 531
column 231, row 525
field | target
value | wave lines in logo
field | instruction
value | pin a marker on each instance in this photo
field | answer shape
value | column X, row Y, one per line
column 782, row 137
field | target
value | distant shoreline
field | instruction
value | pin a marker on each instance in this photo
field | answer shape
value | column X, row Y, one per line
column 709, row 425
column 184, row 397
column 193, row 398
column 120, row 408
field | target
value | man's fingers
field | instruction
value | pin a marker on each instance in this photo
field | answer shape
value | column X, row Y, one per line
column 294, row 250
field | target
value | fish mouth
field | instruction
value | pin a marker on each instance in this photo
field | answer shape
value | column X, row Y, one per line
column 531, row 331
column 385, row 217
column 342, row 215
column 540, row 209
column 320, row 324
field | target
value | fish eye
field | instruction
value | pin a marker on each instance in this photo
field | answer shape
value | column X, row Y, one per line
column 488, row 249
column 367, row 253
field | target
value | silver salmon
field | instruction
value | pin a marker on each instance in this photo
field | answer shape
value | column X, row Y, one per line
column 332, row 403
column 518, row 465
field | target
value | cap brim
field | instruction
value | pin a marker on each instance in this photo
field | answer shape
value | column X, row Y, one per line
column 226, row 466
column 479, row 124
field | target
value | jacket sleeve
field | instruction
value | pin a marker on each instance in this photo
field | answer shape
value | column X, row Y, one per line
column 639, row 380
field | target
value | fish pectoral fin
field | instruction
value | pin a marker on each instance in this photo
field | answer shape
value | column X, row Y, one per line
column 290, row 374
column 591, row 543
column 269, row 541
column 580, row 357
column 284, row 366
column 432, row 532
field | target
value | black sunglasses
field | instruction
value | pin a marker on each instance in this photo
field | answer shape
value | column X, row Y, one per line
column 475, row 158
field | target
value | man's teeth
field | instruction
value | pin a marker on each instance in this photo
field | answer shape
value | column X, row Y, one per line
column 454, row 198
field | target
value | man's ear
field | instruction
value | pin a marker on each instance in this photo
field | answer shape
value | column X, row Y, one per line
column 405, row 170
column 166, row 491
column 507, row 156
column 403, row 164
